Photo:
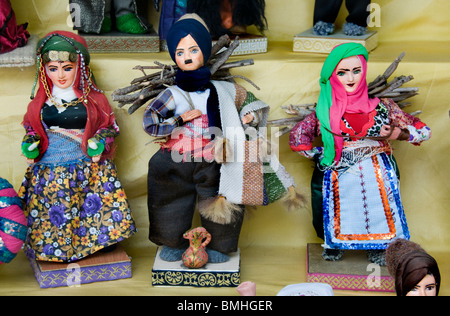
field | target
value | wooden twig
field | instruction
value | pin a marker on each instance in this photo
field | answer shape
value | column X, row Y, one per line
column 142, row 89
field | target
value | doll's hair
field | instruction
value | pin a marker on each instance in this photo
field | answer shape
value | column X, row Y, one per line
column 408, row 263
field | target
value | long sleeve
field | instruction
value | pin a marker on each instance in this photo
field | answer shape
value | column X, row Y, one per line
column 419, row 131
column 303, row 134
column 159, row 118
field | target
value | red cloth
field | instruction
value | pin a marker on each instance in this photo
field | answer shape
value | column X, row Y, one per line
column 11, row 34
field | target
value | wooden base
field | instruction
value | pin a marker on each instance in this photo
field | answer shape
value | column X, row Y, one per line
column 117, row 42
column 225, row 274
column 21, row 56
column 353, row 272
column 97, row 267
column 308, row 42
column 248, row 44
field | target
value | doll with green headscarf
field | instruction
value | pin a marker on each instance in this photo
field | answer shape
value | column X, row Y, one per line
column 355, row 185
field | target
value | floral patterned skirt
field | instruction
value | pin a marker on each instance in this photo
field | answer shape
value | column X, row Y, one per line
column 74, row 209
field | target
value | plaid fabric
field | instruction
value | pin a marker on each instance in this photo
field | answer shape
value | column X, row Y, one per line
column 158, row 116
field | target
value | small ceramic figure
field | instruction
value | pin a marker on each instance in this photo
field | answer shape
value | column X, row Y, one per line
column 73, row 199
column 355, row 186
column 195, row 256
column 326, row 12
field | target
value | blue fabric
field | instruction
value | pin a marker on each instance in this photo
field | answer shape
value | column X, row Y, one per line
column 171, row 11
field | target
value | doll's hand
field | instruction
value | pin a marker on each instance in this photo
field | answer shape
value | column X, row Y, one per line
column 247, row 118
column 387, row 130
column 191, row 115
column 96, row 158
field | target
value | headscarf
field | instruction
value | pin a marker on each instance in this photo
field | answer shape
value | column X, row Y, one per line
column 408, row 263
column 334, row 100
column 191, row 24
column 99, row 111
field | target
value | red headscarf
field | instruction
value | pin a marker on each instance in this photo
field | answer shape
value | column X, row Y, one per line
column 99, row 111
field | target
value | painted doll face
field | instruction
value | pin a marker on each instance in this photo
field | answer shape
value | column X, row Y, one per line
column 188, row 54
column 426, row 287
column 349, row 73
column 62, row 73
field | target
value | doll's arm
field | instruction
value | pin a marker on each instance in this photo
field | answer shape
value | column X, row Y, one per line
column 251, row 110
column 159, row 119
column 303, row 134
column 30, row 143
column 412, row 129
column 102, row 140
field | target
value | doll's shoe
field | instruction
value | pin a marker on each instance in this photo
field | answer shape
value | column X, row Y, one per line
column 216, row 257
column 171, row 254
column 352, row 29
column 129, row 23
column 332, row 254
column 323, row 28
column 377, row 256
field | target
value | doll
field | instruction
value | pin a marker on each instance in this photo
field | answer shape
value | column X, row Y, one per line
column 12, row 35
column 326, row 12
column 229, row 16
column 355, row 188
column 73, row 199
column 96, row 16
column 416, row 273
column 196, row 115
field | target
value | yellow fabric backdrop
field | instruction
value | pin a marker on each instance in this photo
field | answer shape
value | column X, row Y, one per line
column 273, row 241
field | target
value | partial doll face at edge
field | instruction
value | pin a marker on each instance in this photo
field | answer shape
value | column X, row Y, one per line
column 188, row 55
column 349, row 72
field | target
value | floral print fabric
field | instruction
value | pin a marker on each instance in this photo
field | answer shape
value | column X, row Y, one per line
column 74, row 210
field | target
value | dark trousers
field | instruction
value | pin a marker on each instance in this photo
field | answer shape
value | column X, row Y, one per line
column 173, row 190
column 328, row 10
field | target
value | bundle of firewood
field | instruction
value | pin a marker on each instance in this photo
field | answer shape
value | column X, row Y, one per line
column 379, row 88
column 144, row 88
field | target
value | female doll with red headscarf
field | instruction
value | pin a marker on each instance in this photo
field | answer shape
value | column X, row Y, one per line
column 355, row 186
column 74, row 202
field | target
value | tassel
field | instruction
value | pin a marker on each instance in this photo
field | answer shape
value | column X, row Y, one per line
column 293, row 200
column 218, row 210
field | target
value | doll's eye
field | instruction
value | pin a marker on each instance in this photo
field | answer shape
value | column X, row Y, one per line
column 194, row 51
column 357, row 71
column 341, row 73
column 179, row 53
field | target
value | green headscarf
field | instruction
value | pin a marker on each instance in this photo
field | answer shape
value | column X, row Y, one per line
column 65, row 42
column 325, row 98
